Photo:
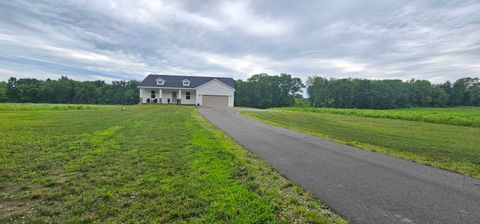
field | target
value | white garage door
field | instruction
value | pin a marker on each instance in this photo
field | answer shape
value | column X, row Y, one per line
column 215, row 101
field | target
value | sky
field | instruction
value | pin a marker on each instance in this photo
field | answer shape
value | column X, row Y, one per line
column 124, row 40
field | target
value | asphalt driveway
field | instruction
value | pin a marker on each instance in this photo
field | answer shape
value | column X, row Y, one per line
column 360, row 185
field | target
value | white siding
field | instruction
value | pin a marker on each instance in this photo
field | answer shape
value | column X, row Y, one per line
column 215, row 87
column 192, row 99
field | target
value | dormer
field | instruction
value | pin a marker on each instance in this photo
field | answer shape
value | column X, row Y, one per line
column 186, row 82
column 160, row 81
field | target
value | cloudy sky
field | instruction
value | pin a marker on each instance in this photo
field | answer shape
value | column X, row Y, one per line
column 115, row 39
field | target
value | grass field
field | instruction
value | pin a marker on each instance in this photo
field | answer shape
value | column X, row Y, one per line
column 9, row 107
column 451, row 147
column 462, row 116
column 139, row 164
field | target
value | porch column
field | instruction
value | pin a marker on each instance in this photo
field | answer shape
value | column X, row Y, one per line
column 159, row 95
column 180, row 95
column 140, row 94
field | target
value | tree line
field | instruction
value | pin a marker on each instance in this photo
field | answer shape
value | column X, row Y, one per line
column 264, row 91
column 65, row 90
column 385, row 94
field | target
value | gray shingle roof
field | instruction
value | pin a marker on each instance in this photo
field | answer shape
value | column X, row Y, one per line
column 176, row 81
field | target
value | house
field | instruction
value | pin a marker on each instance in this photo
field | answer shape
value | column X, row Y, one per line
column 190, row 90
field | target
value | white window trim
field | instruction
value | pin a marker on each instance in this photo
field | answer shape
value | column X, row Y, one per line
column 160, row 81
column 186, row 82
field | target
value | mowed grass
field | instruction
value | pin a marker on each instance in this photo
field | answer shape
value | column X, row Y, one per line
column 451, row 147
column 462, row 116
column 138, row 164
column 44, row 106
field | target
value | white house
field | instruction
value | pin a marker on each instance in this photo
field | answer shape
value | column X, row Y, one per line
column 193, row 90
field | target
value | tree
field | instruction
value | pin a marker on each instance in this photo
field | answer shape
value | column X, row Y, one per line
column 439, row 97
column 131, row 92
column 242, row 94
column 3, row 92
column 317, row 89
column 447, row 87
column 12, row 91
column 86, row 92
column 341, row 93
column 465, row 91
column 264, row 91
column 471, row 90
column 28, row 90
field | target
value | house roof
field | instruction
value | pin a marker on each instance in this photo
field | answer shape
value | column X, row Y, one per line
column 176, row 81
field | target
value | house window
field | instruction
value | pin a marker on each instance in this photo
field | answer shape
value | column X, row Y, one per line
column 160, row 81
column 187, row 95
column 186, row 82
column 153, row 94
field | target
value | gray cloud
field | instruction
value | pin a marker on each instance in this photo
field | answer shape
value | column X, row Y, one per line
column 435, row 40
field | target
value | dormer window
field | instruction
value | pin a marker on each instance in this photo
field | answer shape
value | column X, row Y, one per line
column 160, row 81
column 186, row 82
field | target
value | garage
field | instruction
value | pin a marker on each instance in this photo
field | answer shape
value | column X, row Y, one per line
column 215, row 101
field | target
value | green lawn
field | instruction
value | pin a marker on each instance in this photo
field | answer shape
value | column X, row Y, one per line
column 462, row 116
column 451, row 147
column 9, row 107
column 141, row 164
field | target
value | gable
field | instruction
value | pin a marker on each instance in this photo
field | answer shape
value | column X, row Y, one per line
column 215, row 87
column 215, row 83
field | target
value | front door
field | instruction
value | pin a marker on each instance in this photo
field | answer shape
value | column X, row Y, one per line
column 174, row 96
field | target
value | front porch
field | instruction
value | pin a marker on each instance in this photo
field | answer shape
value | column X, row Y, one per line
column 168, row 96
